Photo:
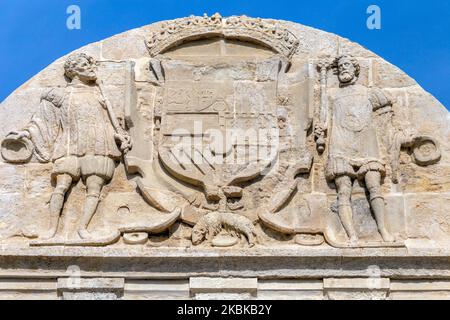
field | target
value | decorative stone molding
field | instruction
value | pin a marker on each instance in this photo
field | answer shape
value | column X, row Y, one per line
column 266, row 32
column 265, row 274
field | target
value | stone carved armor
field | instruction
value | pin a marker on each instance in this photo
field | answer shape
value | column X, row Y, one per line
column 353, row 142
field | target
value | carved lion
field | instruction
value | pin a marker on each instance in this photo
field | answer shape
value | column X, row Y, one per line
column 213, row 223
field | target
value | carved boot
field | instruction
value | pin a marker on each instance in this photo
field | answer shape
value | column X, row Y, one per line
column 89, row 210
column 379, row 208
column 346, row 215
column 56, row 204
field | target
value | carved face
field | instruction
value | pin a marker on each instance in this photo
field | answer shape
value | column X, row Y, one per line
column 281, row 122
column 198, row 234
column 346, row 69
column 84, row 69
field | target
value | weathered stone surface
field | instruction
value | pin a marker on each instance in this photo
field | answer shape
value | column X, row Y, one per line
column 314, row 43
column 224, row 158
column 124, row 46
column 223, row 285
column 156, row 290
column 419, row 290
column 427, row 216
column 386, row 75
column 91, row 289
column 27, row 100
column 290, row 289
column 356, row 288
column 13, row 177
column 349, row 47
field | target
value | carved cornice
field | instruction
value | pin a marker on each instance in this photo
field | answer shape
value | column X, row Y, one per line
column 265, row 32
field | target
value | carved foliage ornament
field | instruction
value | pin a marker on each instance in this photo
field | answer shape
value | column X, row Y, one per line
column 266, row 32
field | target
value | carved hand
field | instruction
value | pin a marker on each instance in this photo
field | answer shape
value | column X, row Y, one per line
column 124, row 140
column 325, row 64
column 319, row 134
column 319, row 129
column 407, row 136
column 19, row 134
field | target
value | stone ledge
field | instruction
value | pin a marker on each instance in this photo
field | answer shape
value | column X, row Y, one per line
column 415, row 251
column 223, row 285
column 356, row 283
column 161, row 266
column 225, row 288
column 95, row 284
column 157, row 289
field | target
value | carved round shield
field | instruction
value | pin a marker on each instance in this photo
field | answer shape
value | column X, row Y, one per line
column 16, row 150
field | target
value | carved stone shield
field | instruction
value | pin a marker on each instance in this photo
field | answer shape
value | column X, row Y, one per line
column 218, row 122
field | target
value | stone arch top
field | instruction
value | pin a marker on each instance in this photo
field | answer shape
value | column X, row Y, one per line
column 264, row 32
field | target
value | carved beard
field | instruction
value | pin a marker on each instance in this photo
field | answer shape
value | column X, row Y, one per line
column 346, row 76
column 88, row 77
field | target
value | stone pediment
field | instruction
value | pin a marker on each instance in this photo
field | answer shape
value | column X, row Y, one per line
column 245, row 143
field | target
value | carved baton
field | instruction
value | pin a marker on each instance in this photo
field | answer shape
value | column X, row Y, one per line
column 117, row 128
column 321, row 128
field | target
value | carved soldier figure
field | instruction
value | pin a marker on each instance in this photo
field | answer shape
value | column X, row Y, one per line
column 76, row 129
column 353, row 144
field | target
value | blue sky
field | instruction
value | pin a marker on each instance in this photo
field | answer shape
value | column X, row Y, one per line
column 415, row 35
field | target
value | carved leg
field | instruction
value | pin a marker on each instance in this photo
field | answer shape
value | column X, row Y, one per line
column 94, row 185
column 373, row 184
column 344, row 190
column 251, row 238
column 63, row 183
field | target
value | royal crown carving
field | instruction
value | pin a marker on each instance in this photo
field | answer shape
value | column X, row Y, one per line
column 267, row 32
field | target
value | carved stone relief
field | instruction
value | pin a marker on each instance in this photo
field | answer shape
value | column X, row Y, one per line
column 223, row 136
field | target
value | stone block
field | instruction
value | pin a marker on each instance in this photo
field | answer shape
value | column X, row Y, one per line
column 431, row 119
column 12, row 179
column 18, row 108
column 291, row 289
column 386, row 75
column 427, row 216
column 156, row 289
column 204, row 285
column 90, row 288
column 419, row 290
column 346, row 46
column 314, row 43
column 130, row 45
column 356, row 288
